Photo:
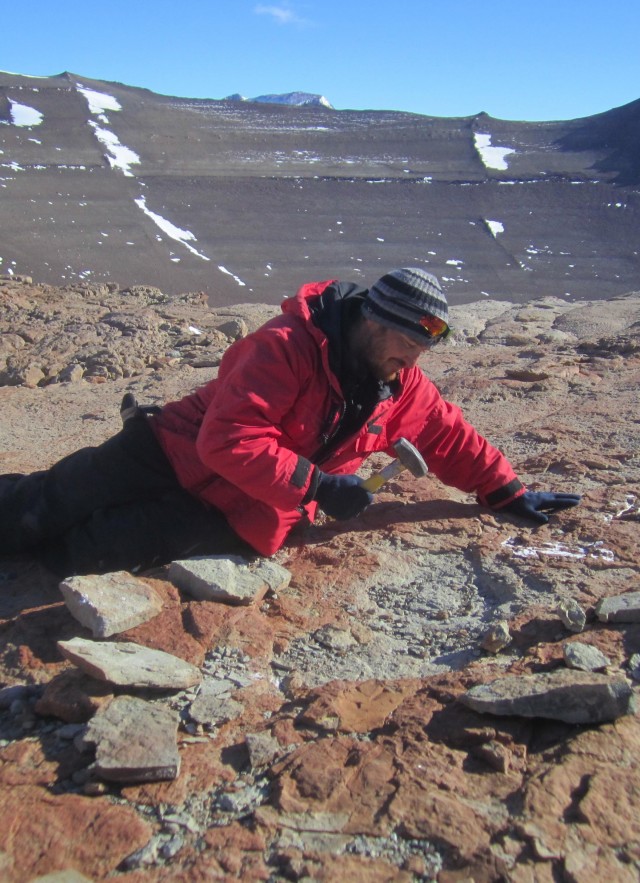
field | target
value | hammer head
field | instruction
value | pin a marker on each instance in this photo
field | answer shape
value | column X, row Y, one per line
column 410, row 457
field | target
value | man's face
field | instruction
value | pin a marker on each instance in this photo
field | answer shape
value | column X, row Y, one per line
column 387, row 351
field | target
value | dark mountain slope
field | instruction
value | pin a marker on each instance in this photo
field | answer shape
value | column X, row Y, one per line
column 245, row 200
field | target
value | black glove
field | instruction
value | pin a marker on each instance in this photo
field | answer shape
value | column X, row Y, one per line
column 342, row 496
column 531, row 503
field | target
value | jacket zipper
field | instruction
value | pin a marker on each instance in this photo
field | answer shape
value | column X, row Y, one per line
column 330, row 430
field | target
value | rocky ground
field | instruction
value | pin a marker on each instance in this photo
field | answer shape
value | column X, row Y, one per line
column 345, row 748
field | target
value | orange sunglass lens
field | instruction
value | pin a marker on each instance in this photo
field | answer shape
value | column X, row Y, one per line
column 435, row 326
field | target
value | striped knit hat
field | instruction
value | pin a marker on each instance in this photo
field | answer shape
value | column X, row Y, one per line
column 402, row 298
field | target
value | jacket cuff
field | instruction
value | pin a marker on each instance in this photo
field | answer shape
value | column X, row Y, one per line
column 313, row 486
column 503, row 495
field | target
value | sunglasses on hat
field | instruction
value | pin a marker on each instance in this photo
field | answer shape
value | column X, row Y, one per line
column 436, row 328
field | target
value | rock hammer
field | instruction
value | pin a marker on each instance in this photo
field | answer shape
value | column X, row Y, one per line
column 407, row 457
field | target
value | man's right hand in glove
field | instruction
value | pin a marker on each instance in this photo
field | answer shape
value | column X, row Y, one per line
column 341, row 496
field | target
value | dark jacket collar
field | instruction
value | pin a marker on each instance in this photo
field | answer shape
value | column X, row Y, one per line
column 334, row 312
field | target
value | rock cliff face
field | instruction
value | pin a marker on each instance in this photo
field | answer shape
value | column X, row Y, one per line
column 331, row 736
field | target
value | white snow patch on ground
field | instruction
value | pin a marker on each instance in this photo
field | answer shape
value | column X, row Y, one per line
column 492, row 157
column 118, row 156
column 183, row 236
column 495, row 227
column 99, row 102
column 229, row 273
column 23, row 115
column 559, row 550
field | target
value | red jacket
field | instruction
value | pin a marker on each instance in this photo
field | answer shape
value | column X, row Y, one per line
column 246, row 442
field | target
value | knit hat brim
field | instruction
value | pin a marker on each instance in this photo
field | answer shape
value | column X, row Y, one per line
column 402, row 298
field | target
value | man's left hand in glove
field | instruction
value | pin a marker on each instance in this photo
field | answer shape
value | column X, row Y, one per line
column 534, row 505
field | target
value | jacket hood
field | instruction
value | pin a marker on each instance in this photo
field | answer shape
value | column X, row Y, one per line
column 324, row 304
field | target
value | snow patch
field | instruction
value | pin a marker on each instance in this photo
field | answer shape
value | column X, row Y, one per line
column 99, row 102
column 23, row 115
column 118, row 156
column 495, row 227
column 559, row 550
column 492, row 157
column 229, row 273
column 183, row 236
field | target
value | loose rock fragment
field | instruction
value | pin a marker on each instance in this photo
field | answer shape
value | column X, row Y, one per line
column 231, row 579
column 619, row 608
column 130, row 665
column 73, row 696
column 572, row 615
column 584, row 656
column 496, row 638
column 334, row 638
column 14, row 693
column 135, row 741
column 571, row 696
column 527, row 375
column 211, row 708
column 634, row 666
column 263, row 748
column 110, row 603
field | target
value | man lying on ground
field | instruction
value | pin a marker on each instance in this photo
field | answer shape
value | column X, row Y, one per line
column 296, row 408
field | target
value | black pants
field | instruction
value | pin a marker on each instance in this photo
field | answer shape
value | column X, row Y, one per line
column 117, row 506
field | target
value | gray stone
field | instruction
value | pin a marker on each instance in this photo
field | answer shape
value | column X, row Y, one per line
column 68, row 875
column 496, row 638
column 234, row 328
column 32, row 376
column 572, row 615
column 619, row 608
column 262, row 748
column 71, row 374
column 211, row 708
column 230, row 579
column 14, row 693
column 566, row 695
column 634, row 666
column 135, row 741
column 584, row 656
column 244, row 799
column 130, row 665
column 111, row 603
column 334, row 638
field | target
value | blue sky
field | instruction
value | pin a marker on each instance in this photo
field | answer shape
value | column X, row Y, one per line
column 518, row 60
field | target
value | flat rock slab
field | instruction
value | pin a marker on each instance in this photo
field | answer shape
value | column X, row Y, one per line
column 212, row 707
column 135, row 741
column 584, row 656
column 130, row 665
column 575, row 697
column 231, row 579
column 619, row 608
column 110, row 603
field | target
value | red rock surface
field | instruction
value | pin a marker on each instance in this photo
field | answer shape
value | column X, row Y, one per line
column 379, row 773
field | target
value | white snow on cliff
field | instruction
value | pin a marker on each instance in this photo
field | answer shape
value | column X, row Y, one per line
column 492, row 157
column 295, row 99
column 183, row 236
column 23, row 115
